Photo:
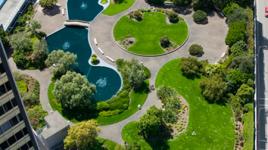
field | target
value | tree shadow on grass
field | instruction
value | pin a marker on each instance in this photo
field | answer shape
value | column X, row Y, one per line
column 159, row 141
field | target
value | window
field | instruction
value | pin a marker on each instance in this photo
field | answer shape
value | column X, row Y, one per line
column 4, row 88
column 14, row 121
column 6, row 126
column 2, row 70
column 2, row 111
column 14, row 103
column 4, row 145
column 11, row 140
column 19, row 135
column 7, row 106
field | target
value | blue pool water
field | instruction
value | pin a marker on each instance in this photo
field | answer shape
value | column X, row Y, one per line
column 85, row 10
column 75, row 40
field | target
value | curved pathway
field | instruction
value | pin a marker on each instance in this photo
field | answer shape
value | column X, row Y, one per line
column 43, row 77
column 102, row 29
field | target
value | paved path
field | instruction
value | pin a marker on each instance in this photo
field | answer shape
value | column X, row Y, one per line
column 102, row 27
column 43, row 77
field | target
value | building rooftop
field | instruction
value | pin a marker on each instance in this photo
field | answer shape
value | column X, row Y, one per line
column 9, row 11
column 55, row 123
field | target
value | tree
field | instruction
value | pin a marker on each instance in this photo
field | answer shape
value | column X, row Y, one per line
column 137, row 75
column 34, row 26
column 60, row 62
column 205, row 5
column 238, row 48
column 155, row 2
column 235, row 78
column 234, row 12
column 191, row 67
column 213, row 88
column 4, row 38
column 82, row 136
column 48, row 3
column 151, row 123
column 39, row 54
column 165, row 92
column 243, row 63
column 74, row 91
column 137, row 15
column 173, row 17
column 182, row 2
column 245, row 93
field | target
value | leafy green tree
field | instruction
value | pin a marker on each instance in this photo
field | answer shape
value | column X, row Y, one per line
column 34, row 26
column 48, row 3
column 191, row 67
column 235, row 78
column 39, row 54
column 213, row 88
column 165, row 92
column 155, row 2
column 238, row 48
column 74, row 91
column 244, row 64
column 137, row 75
column 182, row 2
column 151, row 123
column 236, row 32
column 82, row 136
column 60, row 62
column 205, row 5
column 245, row 93
column 4, row 38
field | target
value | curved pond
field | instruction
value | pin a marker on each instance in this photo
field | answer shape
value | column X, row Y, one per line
column 75, row 40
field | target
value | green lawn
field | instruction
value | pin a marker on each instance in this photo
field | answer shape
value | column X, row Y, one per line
column 130, row 135
column 136, row 98
column 211, row 126
column 110, row 145
column 149, row 31
column 248, row 131
column 115, row 8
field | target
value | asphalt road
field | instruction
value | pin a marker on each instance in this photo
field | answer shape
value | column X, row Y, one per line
column 261, row 75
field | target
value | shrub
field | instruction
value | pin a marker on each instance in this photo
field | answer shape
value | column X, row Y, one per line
column 234, row 12
column 94, row 59
column 155, row 2
column 213, row 88
column 196, row 50
column 172, row 17
column 238, row 48
column 164, row 42
column 182, row 2
column 37, row 116
column 47, row 3
column 200, row 16
column 236, row 32
column 137, row 15
column 191, row 67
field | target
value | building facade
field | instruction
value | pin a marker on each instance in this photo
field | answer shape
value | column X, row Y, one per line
column 15, row 129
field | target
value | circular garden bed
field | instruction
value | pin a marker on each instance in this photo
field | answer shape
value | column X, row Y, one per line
column 151, row 32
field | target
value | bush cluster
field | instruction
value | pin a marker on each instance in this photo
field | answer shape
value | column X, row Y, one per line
column 200, row 16
column 173, row 17
column 196, row 50
column 164, row 42
column 94, row 59
column 136, row 15
column 191, row 67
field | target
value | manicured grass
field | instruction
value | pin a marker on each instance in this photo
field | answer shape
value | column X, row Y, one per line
column 115, row 8
column 211, row 126
column 149, row 31
column 136, row 99
column 110, row 145
column 130, row 135
column 104, row 1
column 248, row 131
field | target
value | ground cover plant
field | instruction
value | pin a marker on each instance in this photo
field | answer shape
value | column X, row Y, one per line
column 29, row 90
column 144, row 37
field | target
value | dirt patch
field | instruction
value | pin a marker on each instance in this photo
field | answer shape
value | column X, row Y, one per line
column 183, row 115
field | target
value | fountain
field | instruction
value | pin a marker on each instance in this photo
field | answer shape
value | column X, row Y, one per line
column 66, row 45
column 102, row 82
column 83, row 6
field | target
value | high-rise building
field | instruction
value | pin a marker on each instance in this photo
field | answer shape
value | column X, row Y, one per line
column 15, row 129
